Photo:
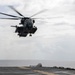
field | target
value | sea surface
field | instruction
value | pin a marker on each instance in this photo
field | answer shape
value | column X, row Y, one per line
column 46, row 63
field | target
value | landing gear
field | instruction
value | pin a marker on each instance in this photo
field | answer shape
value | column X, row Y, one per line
column 30, row 34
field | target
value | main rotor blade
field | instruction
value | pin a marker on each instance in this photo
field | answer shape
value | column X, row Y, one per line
column 38, row 12
column 9, row 15
column 41, row 18
column 11, row 18
column 49, row 17
column 16, row 11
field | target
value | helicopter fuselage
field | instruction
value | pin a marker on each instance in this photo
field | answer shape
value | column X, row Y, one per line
column 27, row 27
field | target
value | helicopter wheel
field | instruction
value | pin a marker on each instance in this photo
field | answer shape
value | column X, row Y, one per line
column 30, row 35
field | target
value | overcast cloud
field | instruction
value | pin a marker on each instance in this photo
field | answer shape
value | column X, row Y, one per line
column 54, row 39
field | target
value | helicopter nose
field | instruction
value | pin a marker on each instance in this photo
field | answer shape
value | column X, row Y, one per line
column 30, row 25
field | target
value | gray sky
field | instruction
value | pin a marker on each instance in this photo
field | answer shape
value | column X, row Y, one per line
column 54, row 39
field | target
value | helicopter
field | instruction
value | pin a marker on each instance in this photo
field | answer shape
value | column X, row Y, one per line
column 26, row 23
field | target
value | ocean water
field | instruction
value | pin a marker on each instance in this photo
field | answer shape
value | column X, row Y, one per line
column 47, row 63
